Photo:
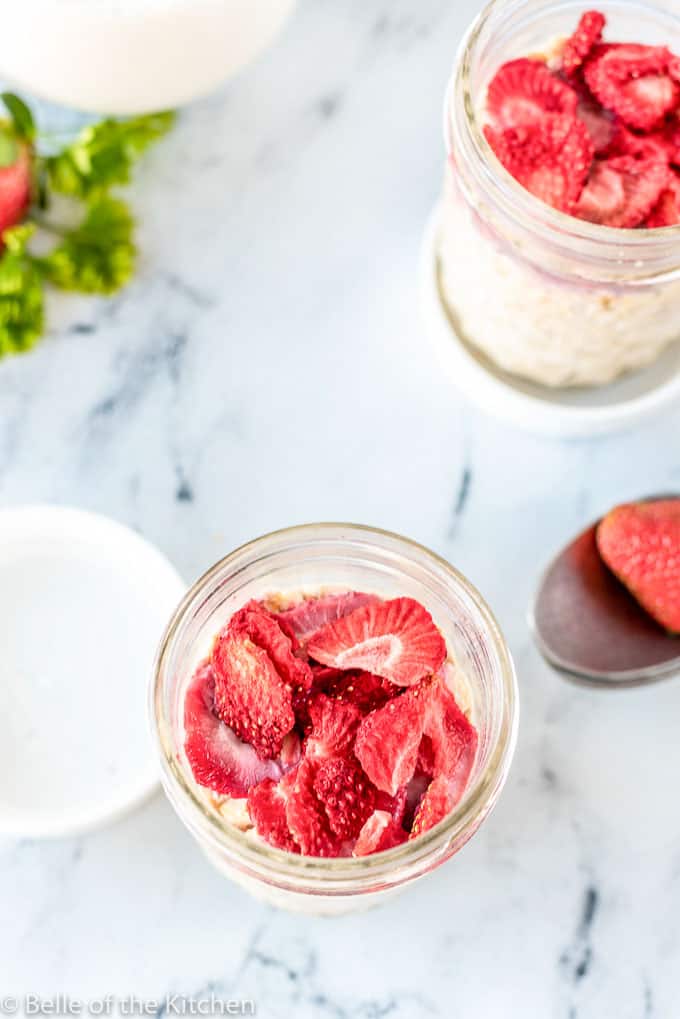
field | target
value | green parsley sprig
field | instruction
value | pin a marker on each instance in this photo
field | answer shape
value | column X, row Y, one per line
column 96, row 252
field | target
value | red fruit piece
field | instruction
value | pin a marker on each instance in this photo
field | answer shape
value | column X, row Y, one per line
column 15, row 186
column 347, row 795
column 395, row 639
column 333, row 726
column 433, row 808
column 218, row 759
column 666, row 212
column 550, row 158
column 640, row 543
column 264, row 629
column 579, row 45
column 387, row 740
column 267, row 809
column 313, row 613
column 601, row 126
column 380, row 832
column 362, row 689
column 250, row 696
column 622, row 191
column 634, row 82
column 306, row 816
column 395, row 805
column 452, row 742
column 523, row 91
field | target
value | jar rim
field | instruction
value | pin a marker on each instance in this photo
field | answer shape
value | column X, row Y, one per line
column 336, row 875
column 463, row 134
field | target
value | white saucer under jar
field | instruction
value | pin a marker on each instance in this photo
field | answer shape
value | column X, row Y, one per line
column 345, row 557
column 547, row 297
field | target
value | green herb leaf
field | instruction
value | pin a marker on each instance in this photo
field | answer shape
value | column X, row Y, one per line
column 98, row 256
column 9, row 150
column 21, row 295
column 103, row 154
column 22, row 118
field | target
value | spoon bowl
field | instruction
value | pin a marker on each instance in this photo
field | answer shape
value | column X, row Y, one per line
column 588, row 627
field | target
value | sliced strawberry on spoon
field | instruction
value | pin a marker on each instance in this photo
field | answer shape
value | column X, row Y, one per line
column 579, row 45
column 395, row 639
column 622, row 191
column 634, row 82
column 523, row 91
column 218, row 759
column 550, row 158
column 640, row 543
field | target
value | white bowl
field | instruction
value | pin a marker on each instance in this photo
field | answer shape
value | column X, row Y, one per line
column 132, row 56
column 83, row 603
column 572, row 412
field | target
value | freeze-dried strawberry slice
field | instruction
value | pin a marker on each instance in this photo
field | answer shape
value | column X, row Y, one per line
column 523, row 91
column 634, row 82
column 433, row 808
column 380, row 832
column 347, row 795
column 387, row 741
column 452, row 742
column 333, row 726
column 395, row 639
column 306, row 816
column 666, row 212
column 363, row 689
column 250, row 696
column 218, row 759
column 267, row 809
column 264, row 629
column 550, row 158
column 313, row 613
column 640, row 543
column 601, row 126
column 579, row 45
column 622, row 191
column 395, row 805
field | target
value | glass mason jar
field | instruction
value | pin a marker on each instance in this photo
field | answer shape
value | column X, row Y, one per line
column 544, row 295
column 345, row 557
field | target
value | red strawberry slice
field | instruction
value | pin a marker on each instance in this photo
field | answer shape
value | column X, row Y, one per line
column 395, row 639
column 265, row 630
column 347, row 795
column 601, row 126
column 306, row 815
column 550, row 158
column 15, row 188
column 250, row 696
column 452, row 742
column 362, row 689
column 333, row 726
column 267, row 809
column 622, row 191
column 579, row 45
column 666, row 212
column 433, row 808
column 634, row 82
column 380, row 832
column 395, row 806
column 218, row 759
column 640, row 543
column 523, row 91
column 313, row 613
column 388, row 739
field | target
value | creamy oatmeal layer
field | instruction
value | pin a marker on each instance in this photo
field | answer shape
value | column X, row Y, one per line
column 534, row 326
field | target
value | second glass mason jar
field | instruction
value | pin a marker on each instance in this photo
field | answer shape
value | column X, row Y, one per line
column 544, row 295
column 344, row 557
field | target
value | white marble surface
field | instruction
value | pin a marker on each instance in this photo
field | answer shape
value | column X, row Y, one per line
column 268, row 367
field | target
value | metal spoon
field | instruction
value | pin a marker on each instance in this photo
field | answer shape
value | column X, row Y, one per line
column 587, row 625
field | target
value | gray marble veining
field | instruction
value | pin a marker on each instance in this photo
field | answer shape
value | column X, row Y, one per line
column 268, row 366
